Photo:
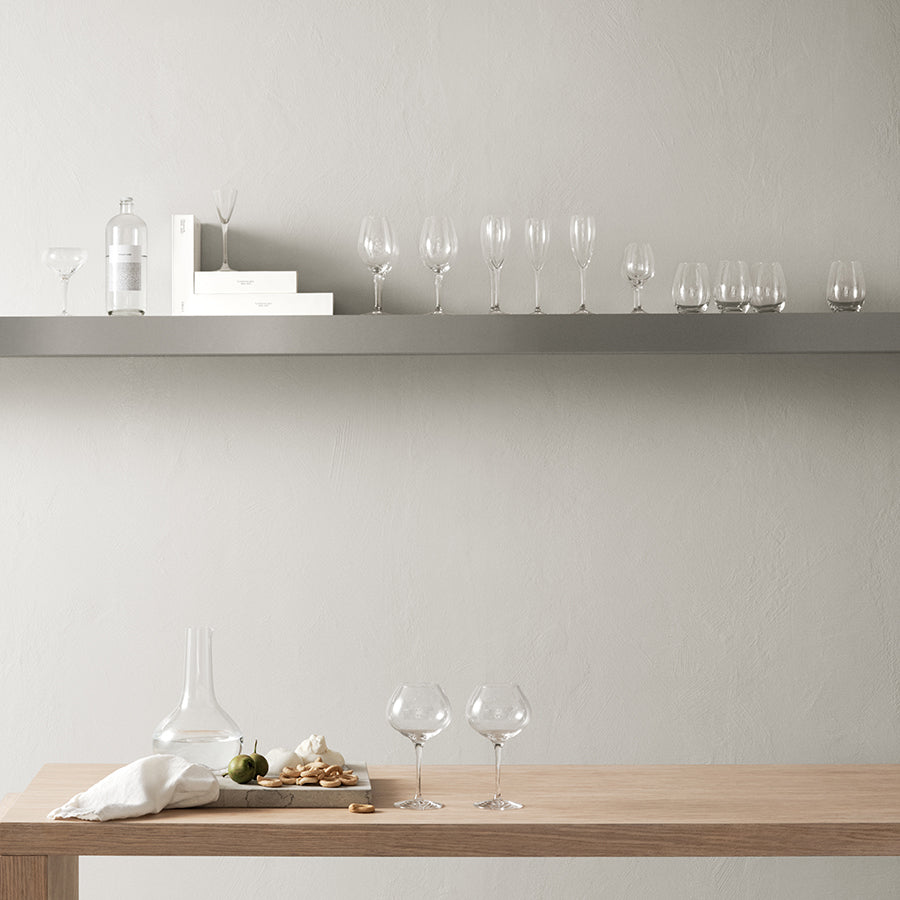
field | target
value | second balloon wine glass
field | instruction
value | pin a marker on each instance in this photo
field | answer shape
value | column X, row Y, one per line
column 438, row 245
column 377, row 248
column 769, row 288
column 582, row 230
column 537, row 240
column 225, row 199
column 638, row 268
column 733, row 288
column 494, row 238
column 846, row 289
column 499, row 712
column 690, row 289
column 419, row 711
column 65, row 261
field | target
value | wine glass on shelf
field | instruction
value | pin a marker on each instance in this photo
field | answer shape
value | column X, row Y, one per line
column 498, row 712
column 438, row 245
column 419, row 711
column 846, row 290
column 378, row 249
column 690, row 289
column 733, row 288
column 225, row 199
column 537, row 240
column 65, row 261
column 582, row 231
column 769, row 288
column 494, row 239
column 638, row 268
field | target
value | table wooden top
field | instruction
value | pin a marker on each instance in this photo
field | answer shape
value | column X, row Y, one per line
column 700, row 810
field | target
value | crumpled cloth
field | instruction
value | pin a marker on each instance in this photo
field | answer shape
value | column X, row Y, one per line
column 147, row 785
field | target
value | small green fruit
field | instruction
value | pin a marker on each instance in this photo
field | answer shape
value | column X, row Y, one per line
column 261, row 763
column 242, row 769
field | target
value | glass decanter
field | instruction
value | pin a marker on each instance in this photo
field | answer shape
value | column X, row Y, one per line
column 198, row 729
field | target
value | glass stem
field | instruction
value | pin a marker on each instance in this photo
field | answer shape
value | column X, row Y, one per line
column 637, row 299
column 225, row 266
column 583, row 295
column 537, row 290
column 497, row 749
column 438, row 279
column 65, row 295
column 495, row 289
column 418, row 770
column 379, row 284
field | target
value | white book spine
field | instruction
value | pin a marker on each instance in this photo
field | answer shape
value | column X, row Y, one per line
column 233, row 282
column 185, row 259
column 259, row 305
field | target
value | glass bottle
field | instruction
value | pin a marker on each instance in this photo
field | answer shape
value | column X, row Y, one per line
column 126, row 262
column 198, row 729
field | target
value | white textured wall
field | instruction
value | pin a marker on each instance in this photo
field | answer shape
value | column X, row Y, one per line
column 683, row 559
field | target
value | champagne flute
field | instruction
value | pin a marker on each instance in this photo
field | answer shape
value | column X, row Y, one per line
column 638, row 268
column 846, row 290
column 582, row 231
column 65, row 261
column 378, row 249
column 733, row 288
column 225, row 199
column 419, row 711
column 537, row 240
column 438, row 245
column 769, row 289
column 690, row 289
column 494, row 239
column 499, row 712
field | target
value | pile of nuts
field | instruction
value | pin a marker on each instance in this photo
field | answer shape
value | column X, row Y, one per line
column 316, row 773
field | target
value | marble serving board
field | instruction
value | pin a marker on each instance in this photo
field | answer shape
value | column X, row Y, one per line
column 254, row 796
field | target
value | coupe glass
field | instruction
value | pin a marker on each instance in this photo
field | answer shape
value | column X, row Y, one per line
column 733, row 288
column 419, row 711
column 494, row 240
column 690, row 289
column 65, row 261
column 537, row 240
column 638, row 268
column 499, row 712
column 437, row 247
column 582, row 231
column 769, row 289
column 377, row 248
column 846, row 291
column 225, row 198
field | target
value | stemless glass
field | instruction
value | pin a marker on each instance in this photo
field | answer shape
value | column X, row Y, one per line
column 438, row 245
column 846, row 290
column 499, row 712
column 690, row 289
column 582, row 231
column 537, row 241
column 419, row 711
column 494, row 239
column 378, row 249
column 225, row 199
column 65, row 261
column 733, row 288
column 769, row 289
column 638, row 268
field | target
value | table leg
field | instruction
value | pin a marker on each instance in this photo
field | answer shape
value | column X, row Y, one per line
column 38, row 878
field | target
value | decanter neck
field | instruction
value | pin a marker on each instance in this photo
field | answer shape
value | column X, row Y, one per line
column 198, row 672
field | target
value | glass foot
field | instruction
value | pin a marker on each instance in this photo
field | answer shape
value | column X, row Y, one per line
column 498, row 803
column 418, row 803
column 582, row 312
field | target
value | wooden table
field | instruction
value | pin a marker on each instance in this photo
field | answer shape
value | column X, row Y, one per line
column 569, row 811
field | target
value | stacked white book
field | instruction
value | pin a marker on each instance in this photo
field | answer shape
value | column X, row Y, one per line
column 233, row 293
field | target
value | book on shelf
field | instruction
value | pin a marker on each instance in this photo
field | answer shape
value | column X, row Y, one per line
column 258, row 305
column 234, row 282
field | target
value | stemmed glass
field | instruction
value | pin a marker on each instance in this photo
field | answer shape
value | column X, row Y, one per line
column 537, row 240
column 499, row 712
column 846, row 290
column 225, row 198
column 378, row 249
column 733, row 288
column 769, row 288
column 65, row 261
column 638, row 268
column 690, row 289
column 494, row 239
column 419, row 711
column 582, row 231
column 437, row 247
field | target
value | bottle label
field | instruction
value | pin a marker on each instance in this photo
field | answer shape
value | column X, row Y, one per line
column 125, row 267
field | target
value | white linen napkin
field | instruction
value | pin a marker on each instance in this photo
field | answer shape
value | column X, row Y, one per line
column 147, row 785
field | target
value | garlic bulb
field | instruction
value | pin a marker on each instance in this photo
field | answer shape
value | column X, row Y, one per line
column 315, row 746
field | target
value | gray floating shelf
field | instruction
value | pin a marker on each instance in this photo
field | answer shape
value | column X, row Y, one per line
column 418, row 335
